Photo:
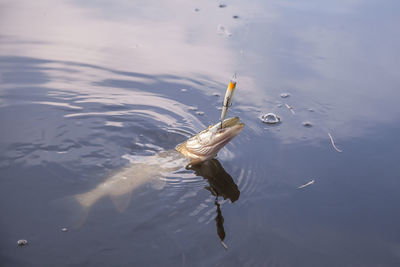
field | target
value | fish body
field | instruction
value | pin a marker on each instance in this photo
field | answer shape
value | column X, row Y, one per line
column 141, row 171
column 120, row 184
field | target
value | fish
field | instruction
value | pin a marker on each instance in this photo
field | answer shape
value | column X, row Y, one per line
column 120, row 184
column 149, row 169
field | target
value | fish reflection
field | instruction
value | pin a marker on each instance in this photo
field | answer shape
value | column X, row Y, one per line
column 221, row 184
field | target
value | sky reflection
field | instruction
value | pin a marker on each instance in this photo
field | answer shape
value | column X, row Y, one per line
column 87, row 86
column 333, row 58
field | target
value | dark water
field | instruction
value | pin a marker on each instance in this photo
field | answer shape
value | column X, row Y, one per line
column 84, row 86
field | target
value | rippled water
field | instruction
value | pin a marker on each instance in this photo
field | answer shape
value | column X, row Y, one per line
column 87, row 87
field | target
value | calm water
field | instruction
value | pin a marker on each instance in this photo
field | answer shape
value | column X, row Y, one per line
column 87, row 85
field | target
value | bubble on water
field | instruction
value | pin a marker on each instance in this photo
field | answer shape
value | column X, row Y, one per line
column 279, row 105
column 285, row 95
column 216, row 94
column 223, row 31
column 183, row 90
column 270, row 118
column 22, row 243
column 64, row 229
column 200, row 113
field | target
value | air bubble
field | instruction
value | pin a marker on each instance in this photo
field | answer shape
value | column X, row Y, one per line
column 270, row 118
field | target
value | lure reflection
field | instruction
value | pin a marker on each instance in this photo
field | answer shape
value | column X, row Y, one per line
column 221, row 185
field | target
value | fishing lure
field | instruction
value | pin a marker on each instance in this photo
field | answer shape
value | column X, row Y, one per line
column 228, row 97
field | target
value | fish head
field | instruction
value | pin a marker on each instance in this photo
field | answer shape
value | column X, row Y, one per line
column 207, row 143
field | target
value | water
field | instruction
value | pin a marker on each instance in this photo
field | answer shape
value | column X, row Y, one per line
column 85, row 86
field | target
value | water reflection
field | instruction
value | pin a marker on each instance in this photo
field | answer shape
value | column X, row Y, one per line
column 221, row 184
column 83, row 83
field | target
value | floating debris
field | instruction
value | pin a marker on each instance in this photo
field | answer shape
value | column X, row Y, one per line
column 310, row 109
column 193, row 108
column 307, row 184
column 224, row 245
column 200, row 113
column 196, row 10
column 216, row 94
column 222, row 5
column 307, row 124
column 270, row 118
column 111, row 123
column 333, row 144
column 285, row 95
column 64, row 229
column 235, row 16
column 22, row 243
column 279, row 105
column 290, row 108
column 222, row 30
column 183, row 90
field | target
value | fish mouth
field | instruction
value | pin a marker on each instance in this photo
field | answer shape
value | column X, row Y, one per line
column 207, row 143
column 230, row 129
column 231, row 126
column 230, row 122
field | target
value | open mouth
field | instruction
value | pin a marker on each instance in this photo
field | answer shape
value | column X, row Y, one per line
column 230, row 129
column 208, row 142
column 229, row 123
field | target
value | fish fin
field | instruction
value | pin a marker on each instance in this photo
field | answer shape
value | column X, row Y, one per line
column 158, row 183
column 180, row 147
column 73, row 214
column 121, row 202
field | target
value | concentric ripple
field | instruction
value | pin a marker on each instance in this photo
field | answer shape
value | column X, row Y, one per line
column 93, row 123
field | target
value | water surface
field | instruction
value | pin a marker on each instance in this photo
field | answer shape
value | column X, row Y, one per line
column 85, row 87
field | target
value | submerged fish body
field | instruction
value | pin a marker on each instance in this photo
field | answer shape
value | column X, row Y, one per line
column 141, row 171
column 120, row 184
